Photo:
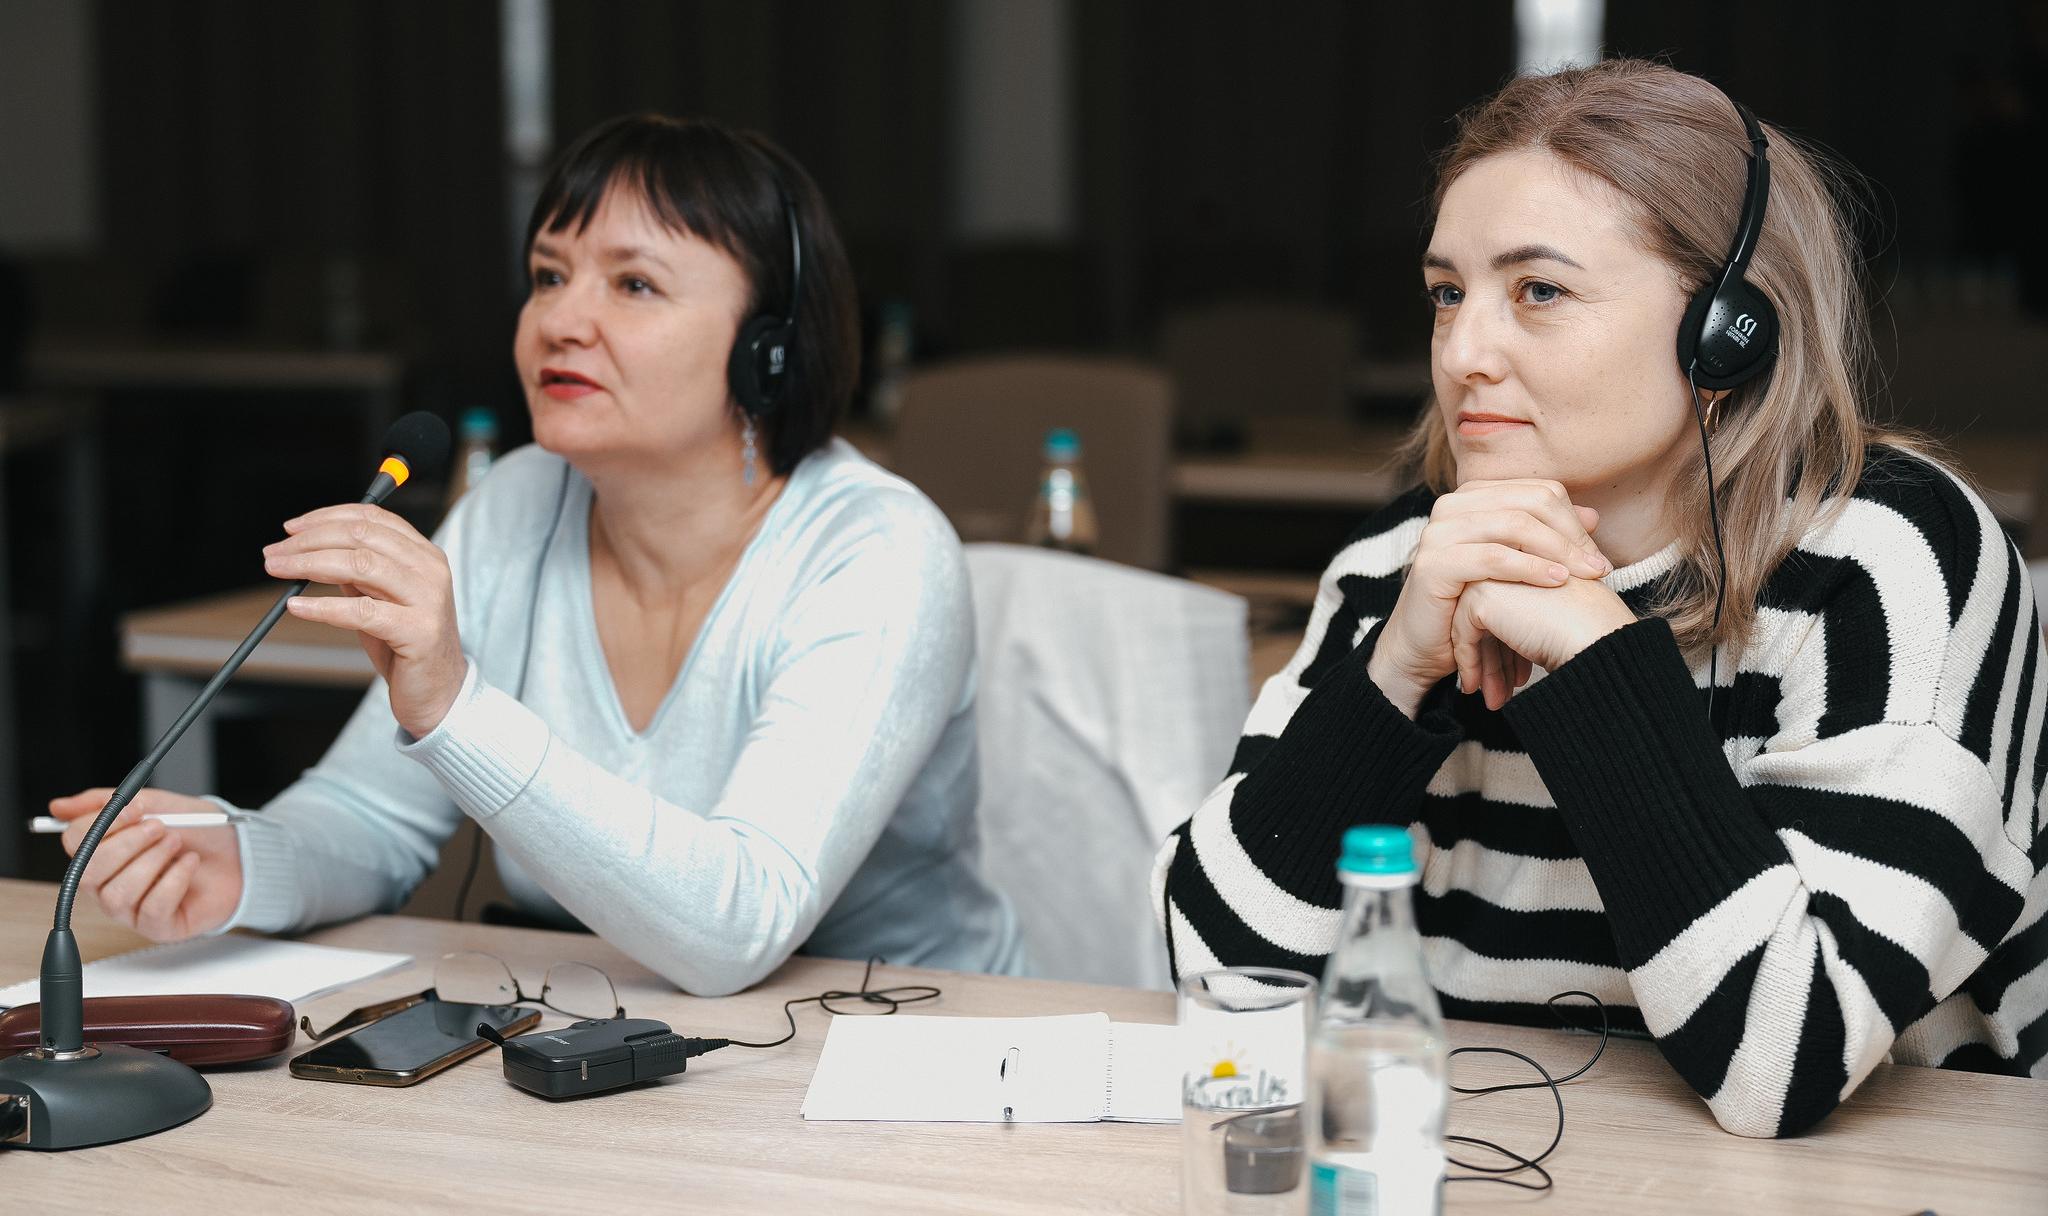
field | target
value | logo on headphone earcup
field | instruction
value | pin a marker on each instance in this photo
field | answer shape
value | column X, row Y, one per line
column 758, row 370
column 1727, row 336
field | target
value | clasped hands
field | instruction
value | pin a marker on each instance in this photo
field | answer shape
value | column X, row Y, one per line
column 1506, row 578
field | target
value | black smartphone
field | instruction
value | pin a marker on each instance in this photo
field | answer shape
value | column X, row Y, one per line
column 412, row 1044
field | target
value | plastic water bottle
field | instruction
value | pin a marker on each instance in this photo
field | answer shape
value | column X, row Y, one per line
column 1064, row 516
column 1377, row 1089
column 478, row 447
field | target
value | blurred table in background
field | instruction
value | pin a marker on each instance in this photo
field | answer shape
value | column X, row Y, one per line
column 1298, row 462
column 1332, row 465
column 176, row 648
column 1322, row 462
column 371, row 379
column 1284, row 461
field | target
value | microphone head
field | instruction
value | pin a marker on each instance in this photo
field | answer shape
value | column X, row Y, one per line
column 420, row 442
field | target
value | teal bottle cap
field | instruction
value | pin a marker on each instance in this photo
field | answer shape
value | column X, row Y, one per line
column 1377, row 849
column 478, row 422
column 1062, row 443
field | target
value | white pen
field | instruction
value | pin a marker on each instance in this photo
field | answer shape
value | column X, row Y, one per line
column 50, row 825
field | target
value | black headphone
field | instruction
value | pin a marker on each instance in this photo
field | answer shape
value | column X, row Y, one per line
column 1730, row 330
column 758, row 370
column 1729, row 334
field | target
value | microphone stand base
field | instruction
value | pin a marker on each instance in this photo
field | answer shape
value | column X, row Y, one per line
column 106, row 1092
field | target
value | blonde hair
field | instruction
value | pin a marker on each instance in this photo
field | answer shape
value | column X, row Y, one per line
column 1789, row 445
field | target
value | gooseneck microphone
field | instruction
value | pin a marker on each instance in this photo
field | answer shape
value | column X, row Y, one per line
column 64, row 1093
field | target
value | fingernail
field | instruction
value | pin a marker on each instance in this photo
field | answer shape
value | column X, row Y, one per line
column 1559, row 574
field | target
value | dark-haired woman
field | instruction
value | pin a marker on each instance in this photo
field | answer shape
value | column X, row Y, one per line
column 702, row 672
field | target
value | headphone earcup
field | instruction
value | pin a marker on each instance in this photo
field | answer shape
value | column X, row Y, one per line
column 1726, row 337
column 759, row 366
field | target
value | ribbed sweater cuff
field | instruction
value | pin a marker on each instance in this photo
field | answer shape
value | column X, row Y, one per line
column 1623, row 743
column 271, row 898
column 486, row 749
column 1346, row 757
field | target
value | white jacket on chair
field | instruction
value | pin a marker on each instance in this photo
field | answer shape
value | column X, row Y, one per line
column 1110, row 701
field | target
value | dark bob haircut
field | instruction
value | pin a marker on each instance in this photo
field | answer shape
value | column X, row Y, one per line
column 725, row 186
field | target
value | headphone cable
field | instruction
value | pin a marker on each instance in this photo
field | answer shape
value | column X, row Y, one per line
column 1699, row 416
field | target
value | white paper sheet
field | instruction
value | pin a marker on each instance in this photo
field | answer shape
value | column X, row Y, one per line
column 1061, row 1069
column 1144, row 1073
column 232, row 963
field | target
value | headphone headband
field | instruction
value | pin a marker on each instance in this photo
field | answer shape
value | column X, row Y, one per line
column 796, row 255
column 1755, row 196
column 758, row 368
column 1730, row 329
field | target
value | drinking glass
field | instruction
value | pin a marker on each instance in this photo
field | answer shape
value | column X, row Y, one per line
column 1243, row 1045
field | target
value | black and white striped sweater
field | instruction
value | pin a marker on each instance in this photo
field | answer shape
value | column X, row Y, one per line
column 1847, row 863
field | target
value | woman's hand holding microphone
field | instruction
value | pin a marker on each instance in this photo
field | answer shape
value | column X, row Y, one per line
column 398, row 595
column 1506, row 575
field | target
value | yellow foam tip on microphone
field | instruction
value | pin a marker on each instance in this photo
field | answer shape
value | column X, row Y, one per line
column 417, row 442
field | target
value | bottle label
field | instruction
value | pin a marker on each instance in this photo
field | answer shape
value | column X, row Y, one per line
column 1342, row 1190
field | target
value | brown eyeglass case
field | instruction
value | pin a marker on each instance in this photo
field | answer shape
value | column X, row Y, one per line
column 197, row 1030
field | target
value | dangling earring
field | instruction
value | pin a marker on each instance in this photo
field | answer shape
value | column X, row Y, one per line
column 747, row 450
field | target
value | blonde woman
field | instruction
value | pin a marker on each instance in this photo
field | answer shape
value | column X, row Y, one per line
column 1829, row 856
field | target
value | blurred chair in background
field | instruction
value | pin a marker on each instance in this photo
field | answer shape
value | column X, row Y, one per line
column 1108, row 704
column 1233, row 360
column 972, row 434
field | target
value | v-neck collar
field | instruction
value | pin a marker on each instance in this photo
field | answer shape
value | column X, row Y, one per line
column 584, row 592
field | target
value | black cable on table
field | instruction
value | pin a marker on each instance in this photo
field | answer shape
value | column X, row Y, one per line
column 1499, row 1173
column 889, row 997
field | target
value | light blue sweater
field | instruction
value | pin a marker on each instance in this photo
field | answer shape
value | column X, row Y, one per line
column 809, row 782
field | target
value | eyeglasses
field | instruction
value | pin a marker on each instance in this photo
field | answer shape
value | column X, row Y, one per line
column 469, row 977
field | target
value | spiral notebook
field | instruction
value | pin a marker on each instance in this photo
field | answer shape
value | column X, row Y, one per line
column 235, row 963
column 1072, row 1068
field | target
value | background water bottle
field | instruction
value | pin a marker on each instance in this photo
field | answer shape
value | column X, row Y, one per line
column 1377, row 1086
column 1064, row 515
column 478, row 447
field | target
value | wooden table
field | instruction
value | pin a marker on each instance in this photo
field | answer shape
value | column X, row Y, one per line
column 177, row 648
column 1297, row 462
column 727, row 1136
column 1342, row 465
